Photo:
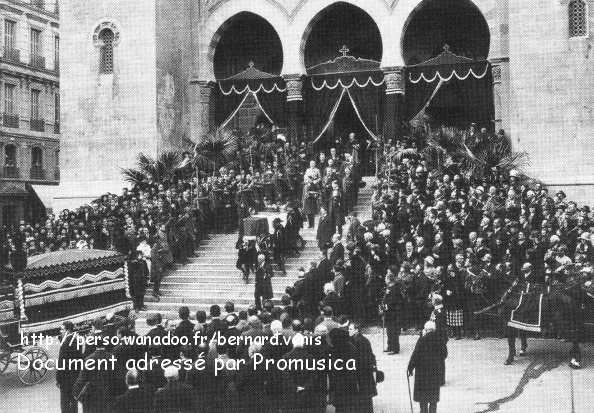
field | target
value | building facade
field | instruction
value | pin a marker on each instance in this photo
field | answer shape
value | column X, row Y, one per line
column 30, row 102
column 144, row 78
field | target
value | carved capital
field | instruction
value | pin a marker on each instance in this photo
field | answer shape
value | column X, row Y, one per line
column 205, row 88
column 496, row 72
column 394, row 77
column 294, row 88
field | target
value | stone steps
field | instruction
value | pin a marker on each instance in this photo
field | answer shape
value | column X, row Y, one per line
column 211, row 277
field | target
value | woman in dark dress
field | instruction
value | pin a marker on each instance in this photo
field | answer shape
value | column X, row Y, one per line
column 428, row 355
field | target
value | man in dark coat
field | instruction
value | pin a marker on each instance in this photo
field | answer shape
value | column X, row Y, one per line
column 429, row 353
column 343, row 384
column 175, row 397
column 263, row 286
column 438, row 316
column 137, row 278
column 300, row 393
column 94, row 387
column 185, row 328
column 366, row 366
column 136, row 399
column 325, row 229
column 393, row 304
column 66, row 378
column 279, row 245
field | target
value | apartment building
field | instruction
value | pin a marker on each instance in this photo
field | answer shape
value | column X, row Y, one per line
column 29, row 106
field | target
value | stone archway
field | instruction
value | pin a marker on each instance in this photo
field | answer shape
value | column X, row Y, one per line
column 333, row 27
column 243, row 39
column 435, row 23
column 436, row 27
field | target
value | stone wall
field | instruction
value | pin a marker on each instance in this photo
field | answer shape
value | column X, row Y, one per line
column 107, row 118
column 174, row 66
column 552, row 103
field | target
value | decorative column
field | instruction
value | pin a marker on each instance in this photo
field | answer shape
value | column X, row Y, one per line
column 394, row 106
column 294, row 107
column 501, row 93
column 202, row 108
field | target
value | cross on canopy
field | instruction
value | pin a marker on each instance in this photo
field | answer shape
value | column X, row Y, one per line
column 344, row 50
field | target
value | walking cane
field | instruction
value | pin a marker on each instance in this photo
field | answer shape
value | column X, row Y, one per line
column 409, row 393
column 383, row 331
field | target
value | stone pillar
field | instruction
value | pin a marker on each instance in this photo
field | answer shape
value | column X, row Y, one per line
column 501, row 93
column 294, row 107
column 394, row 105
column 201, row 108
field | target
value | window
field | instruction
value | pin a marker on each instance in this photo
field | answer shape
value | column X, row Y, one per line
column 106, row 51
column 35, row 100
column 36, row 157
column 9, row 98
column 9, row 34
column 578, row 18
column 10, row 156
column 57, row 51
column 38, row 3
column 36, row 42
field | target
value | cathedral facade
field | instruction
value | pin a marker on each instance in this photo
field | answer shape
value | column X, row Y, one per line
column 146, row 76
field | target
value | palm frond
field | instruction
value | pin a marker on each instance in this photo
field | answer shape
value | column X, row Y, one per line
column 133, row 176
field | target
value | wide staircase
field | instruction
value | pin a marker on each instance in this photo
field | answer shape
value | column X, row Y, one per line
column 212, row 278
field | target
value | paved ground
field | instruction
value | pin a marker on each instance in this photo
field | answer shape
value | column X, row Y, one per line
column 477, row 380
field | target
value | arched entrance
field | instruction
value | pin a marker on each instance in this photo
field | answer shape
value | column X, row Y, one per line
column 455, row 33
column 342, row 50
column 246, row 49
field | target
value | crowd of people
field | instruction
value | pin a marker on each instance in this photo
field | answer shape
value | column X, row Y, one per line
column 221, row 369
column 439, row 247
column 467, row 240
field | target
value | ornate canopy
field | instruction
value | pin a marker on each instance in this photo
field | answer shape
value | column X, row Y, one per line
column 445, row 66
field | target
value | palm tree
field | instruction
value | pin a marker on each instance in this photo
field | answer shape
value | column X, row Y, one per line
column 149, row 170
column 216, row 150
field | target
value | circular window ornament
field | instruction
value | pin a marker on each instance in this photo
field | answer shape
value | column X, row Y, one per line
column 97, row 41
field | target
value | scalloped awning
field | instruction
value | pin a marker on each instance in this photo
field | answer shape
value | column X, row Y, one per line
column 252, row 80
column 446, row 66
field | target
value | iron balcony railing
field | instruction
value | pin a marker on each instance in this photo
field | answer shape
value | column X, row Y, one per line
column 14, row 55
column 38, row 61
column 37, row 173
column 10, row 172
column 10, row 120
column 38, row 125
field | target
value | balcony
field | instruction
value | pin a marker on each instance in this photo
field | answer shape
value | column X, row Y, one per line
column 14, row 55
column 37, row 173
column 38, row 125
column 37, row 61
column 10, row 172
column 10, row 120
column 57, row 127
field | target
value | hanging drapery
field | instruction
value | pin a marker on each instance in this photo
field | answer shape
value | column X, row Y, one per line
column 325, row 93
column 268, row 90
column 451, row 88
